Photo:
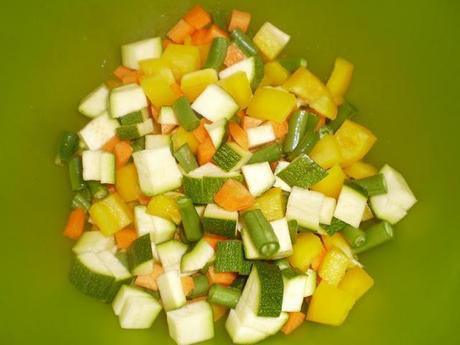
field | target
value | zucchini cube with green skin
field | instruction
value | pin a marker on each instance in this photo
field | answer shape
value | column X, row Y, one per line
column 260, row 135
column 294, row 290
column 93, row 242
column 95, row 103
column 170, row 254
column 231, row 157
column 118, row 270
column 229, row 256
column 198, row 257
column 216, row 131
column 218, row 221
column 305, row 206
column 127, row 99
column 99, row 131
column 240, row 333
column 140, row 256
column 134, row 117
column 350, row 206
column 134, row 131
column 259, row 177
column 215, row 104
column 132, row 53
column 171, row 291
column 139, row 312
column 98, row 166
column 155, row 141
column 125, row 292
column 160, row 229
column 302, row 172
column 327, row 210
column 247, row 66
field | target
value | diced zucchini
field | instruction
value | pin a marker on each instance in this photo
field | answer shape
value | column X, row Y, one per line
column 127, row 99
column 198, row 257
column 240, row 333
column 167, row 116
column 139, row 312
column 327, row 210
column 350, row 206
column 160, row 229
column 215, row 104
column 155, row 141
column 170, row 254
column 107, row 168
column 119, row 272
column 259, row 177
column 247, row 66
column 302, row 172
column 125, row 292
column 134, row 131
column 278, row 181
column 216, row 131
column 134, row 118
column 99, row 131
column 171, row 291
column 305, row 206
column 310, row 285
column 95, row 103
column 231, row 156
column 271, row 40
column 229, row 256
column 218, row 221
column 294, row 290
column 140, row 256
column 98, row 166
column 93, row 242
column 260, row 135
column 132, row 53
column 158, row 171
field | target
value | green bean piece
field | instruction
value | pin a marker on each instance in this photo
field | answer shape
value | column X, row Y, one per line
column 259, row 72
column 261, row 233
column 185, row 114
column 335, row 226
column 239, row 282
column 76, row 174
column 82, row 199
column 190, row 219
column 346, row 111
column 138, row 144
column 270, row 153
column 201, row 286
column 293, row 227
column 186, row 158
column 293, row 63
column 312, row 122
column 68, row 145
column 306, row 144
column 374, row 185
column 296, row 129
column 217, row 53
column 244, row 42
column 97, row 189
column 227, row 296
column 376, row 235
column 355, row 237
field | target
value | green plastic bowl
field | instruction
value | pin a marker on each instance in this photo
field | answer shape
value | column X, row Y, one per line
column 405, row 85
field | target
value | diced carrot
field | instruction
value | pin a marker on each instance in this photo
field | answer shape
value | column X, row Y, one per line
column 149, row 281
column 113, row 83
column 319, row 259
column 75, row 224
column 197, row 17
column 218, row 311
column 224, row 278
column 144, row 199
column 176, row 89
column 200, row 133
column 154, row 112
column 166, row 129
column 233, row 196
column 166, row 42
column 238, row 134
column 109, row 146
column 234, row 55
column 123, row 151
column 213, row 32
column 179, row 31
column 294, row 321
column 321, row 122
column 199, row 37
column 111, row 188
column 280, row 129
column 125, row 237
column 250, row 122
column 213, row 239
column 122, row 71
column 187, row 284
column 239, row 20
column 131, row 78
column 205, row 151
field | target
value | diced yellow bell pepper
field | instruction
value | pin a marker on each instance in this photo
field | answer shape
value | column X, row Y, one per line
column 181, row 137
column 182, row 59
column 337, row 241
column 305, row 249
column 237, row 85
column 204, row 51
column 367, row 214
column 127, row 183
column 111, row 214
column 360, row 169
column 194, row 83
column 334, row 266
column 157, row 67
column 271, row 203
column 275, row 73
column 356, row 282
column 354, row 141
column 329, row 305
column 306, row 85
column 159, row 91
column 326, row 152
column 270, row 40
column 271, row 104
column 164, row 206
column 332, row 184
column 340, row 79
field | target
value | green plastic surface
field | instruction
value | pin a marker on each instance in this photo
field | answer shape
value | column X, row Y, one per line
column 407, row 56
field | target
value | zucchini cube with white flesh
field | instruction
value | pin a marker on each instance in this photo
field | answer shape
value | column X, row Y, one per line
column 132, row 53
column 127, row 99
column 350, row 206
column 125, row 292
column 98, row 166
column 171, row 291
column 93, row 242
column 140, row 256
column 278, row 181
column 247, row 66
column 240, row 333
column 118, row 270
column 170, row 254
column 310, row 285
column 158, row 171
column 259, row 177
column 327, row 210
column 160, row 229
column 95, row 103
column 218, row 221
column 107, row 168
column 215, row 104
column 167, row 116
column 305, row 206
column 302, row 172
column 139, row 312
column 134, row 118
column 393, row 205
column 191, row 324
column 271, row 40
column 231, row 156
column 99, row 131
column 216, row 131
column 260, row 135
column 155, row 141
column 134, row 131
column 294, row 290
column 198, row 257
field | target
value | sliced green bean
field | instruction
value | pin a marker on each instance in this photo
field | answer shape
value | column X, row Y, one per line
column 186, row 158
column 244, row 42
column 355, row 237
column 190, row 219
column 335, row 226
column 374, row 185
column 185, row 114
column 97, row 189
column 293, row 227
column 138, row 144
column 261, row 233
column 312, row 122
column 201, row 286
column 270, row 153
column 82, row 199
column 306, row 144
column 76, row 174
column 226, row 296
column 297, row 125
column 67, row 148
column 346, row 111
column 376, row 235
column 258, row 72
column 217, row 53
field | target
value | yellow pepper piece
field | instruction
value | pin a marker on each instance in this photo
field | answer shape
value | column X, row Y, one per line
column 326, row 152
column 360, row 169
column 111, row 214
column 354, row 141
column 159, row 91
column 182, row 59
column 194, row 83
column 271, row 203
column 337, row 241
column 204, row 51
column 334, row 266
column 356, row 282
column 271, row 104
column 157, row 67
column 332, row 184
column 127, row 183
column 340, row 79
column 306, row 85
column 305, row 249
column 237, row 85
column 329, row 305
column 164, row 206
column 181, row 137
column 275, row 73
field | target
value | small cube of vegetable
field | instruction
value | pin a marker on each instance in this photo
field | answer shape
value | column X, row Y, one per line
column 194, row 83
column 183, row 59
column 356, row 282
column 272, row 204
column 333, row 267
column 181, row 137
column 332, row 184
column 215, row 104
column 340, row 79
column 111, row 214
column 159, row 91
column 306, row 248
column 164, row 206
column 237, row 85
column 157, row 67
column 271, row 104
column 271, row 40
column 275, row 74
column 326, row 152
column 127, row 183
column 360, row 169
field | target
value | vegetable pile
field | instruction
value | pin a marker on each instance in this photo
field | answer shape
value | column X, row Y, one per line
column 218, row 179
